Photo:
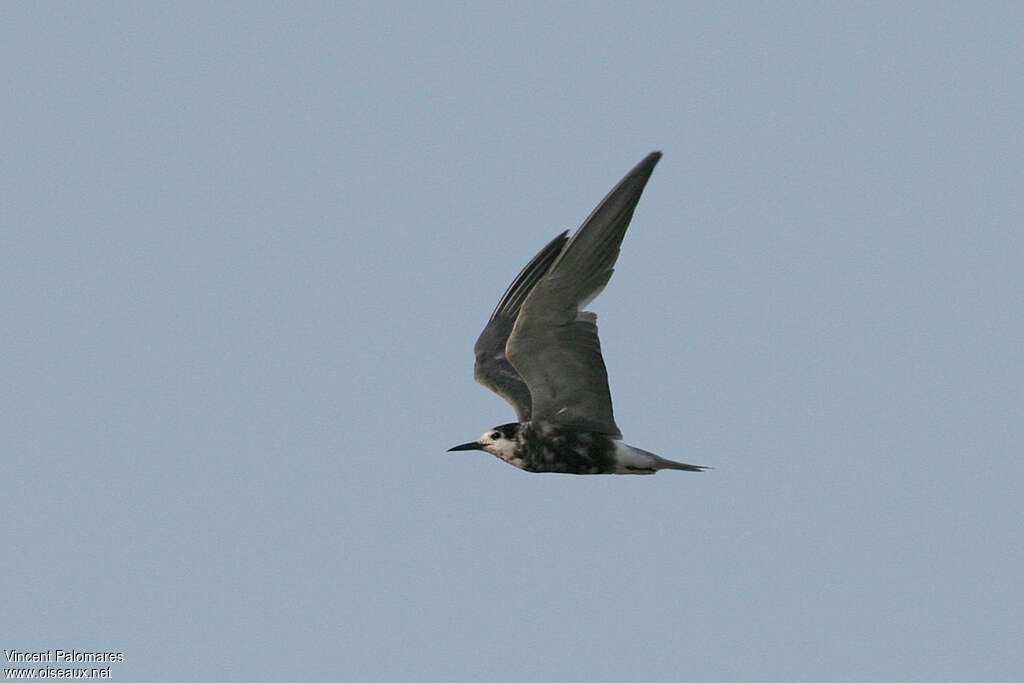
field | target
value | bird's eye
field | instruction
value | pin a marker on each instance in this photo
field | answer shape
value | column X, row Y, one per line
column 496, row 435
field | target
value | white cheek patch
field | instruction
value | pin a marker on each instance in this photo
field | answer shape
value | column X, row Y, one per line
column 503, row 448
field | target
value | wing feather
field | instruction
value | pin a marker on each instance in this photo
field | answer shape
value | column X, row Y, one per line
column 553, row 345
column 492, row 368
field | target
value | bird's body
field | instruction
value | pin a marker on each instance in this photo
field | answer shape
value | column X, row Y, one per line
column 545, row 447
column 541, row 353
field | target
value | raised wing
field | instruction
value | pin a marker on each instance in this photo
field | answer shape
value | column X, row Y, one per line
column 492, row 368
column 554, row 345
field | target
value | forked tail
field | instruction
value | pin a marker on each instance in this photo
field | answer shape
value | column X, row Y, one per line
column 633, row 460
column 664, row 464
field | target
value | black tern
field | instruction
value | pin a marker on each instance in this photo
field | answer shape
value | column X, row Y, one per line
column 540, row 352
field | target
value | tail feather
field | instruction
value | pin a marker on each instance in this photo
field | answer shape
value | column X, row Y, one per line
column 665, row 464
column 633, row 460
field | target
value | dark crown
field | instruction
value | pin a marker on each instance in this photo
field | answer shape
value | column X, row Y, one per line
column 508, row 430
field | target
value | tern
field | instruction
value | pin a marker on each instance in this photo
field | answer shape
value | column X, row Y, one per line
column 540, row 352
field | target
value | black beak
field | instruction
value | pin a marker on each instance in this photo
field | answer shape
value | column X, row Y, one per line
column 471, row 446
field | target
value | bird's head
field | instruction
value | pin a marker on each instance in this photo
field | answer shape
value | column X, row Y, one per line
column 500, row 441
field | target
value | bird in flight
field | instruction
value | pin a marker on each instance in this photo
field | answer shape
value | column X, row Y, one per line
column 540, row 352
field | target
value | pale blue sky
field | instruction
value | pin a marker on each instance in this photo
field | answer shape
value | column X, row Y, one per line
column 248, row 247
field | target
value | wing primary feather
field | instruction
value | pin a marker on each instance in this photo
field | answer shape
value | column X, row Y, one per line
column 492, row 368
column 554, row 344
column 510, row 302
